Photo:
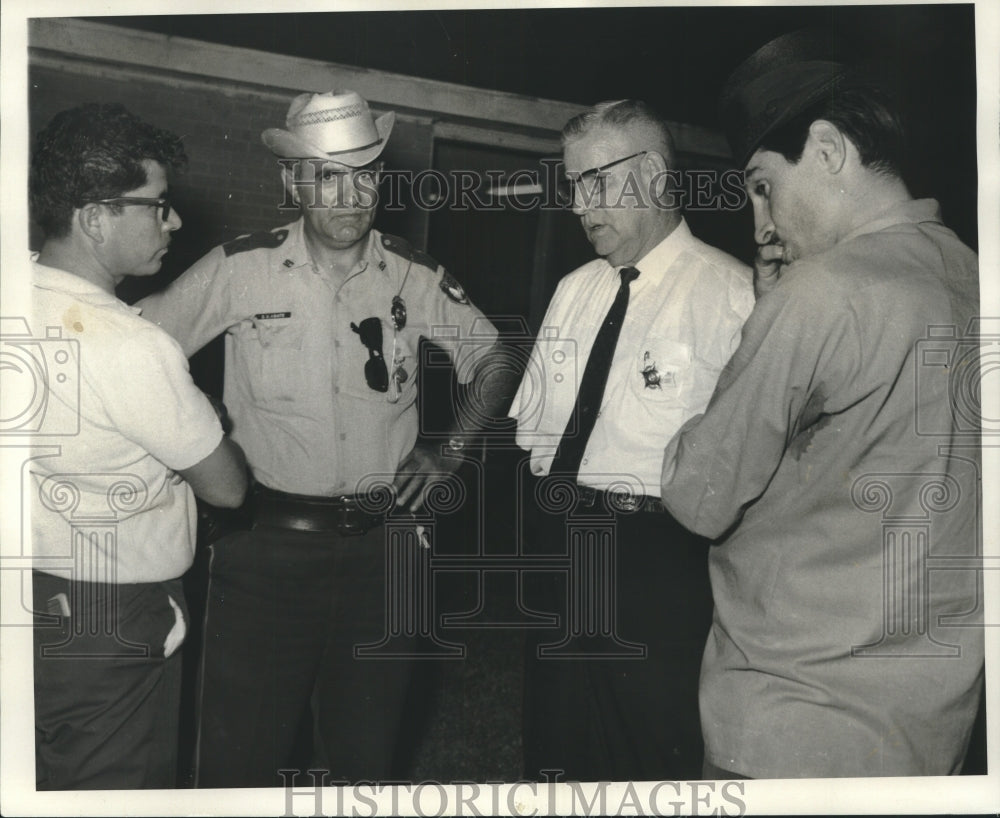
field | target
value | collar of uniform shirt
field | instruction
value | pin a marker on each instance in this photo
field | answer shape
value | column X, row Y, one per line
column 301, row 250
column 653, row 266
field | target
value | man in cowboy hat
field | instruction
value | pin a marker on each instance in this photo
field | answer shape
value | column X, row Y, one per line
column 832, row 464
column 323, row 318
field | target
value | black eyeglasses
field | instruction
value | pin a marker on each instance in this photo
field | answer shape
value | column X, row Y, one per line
column 592, row 184
column 376, row 372
column 163, row 203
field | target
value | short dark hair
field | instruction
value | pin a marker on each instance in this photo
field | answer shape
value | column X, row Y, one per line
column 94, row 151
column 865, row 114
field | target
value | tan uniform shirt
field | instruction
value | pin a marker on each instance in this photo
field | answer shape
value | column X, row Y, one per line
column 295, row 369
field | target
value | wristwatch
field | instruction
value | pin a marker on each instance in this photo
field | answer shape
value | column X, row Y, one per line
column 456, row 444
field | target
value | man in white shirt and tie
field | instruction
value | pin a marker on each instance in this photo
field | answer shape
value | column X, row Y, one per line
column 630, row 348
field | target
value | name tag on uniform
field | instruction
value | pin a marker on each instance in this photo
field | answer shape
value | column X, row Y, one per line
column 264, row 316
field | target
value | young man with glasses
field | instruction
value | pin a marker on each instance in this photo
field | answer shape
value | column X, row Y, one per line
column 642, row 334
column 113, row 522
column 323, row 318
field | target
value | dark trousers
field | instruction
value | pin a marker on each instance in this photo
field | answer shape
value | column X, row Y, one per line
column 625, row 706
column 285, row 611
column 106, row 700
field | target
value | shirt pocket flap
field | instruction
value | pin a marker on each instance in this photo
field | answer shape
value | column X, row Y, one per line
column 278, row 330
column 269, row 353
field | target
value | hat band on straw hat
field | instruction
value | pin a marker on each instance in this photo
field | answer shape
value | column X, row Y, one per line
column 339, row 127
column 326, row 115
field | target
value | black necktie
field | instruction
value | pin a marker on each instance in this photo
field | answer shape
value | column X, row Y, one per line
column 595, row 378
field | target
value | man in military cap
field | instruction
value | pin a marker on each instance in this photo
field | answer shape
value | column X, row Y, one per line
column 831, row 464
column 323, row 318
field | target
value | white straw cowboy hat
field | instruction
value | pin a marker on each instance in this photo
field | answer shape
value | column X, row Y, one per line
column 336, row 125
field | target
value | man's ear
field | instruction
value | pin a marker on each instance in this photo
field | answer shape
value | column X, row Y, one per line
column 288, row 180
column 828, row 145
column 654, row 167
column 91, row 218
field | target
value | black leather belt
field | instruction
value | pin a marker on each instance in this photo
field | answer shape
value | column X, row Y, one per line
column 344, row 515
column 623, row 502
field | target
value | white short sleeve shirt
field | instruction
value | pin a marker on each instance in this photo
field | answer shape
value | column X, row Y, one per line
column 120, row 418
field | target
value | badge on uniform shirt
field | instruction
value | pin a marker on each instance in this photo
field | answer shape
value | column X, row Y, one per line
column 650, row 374
column 453, row 289
column 397, row 312
column 266, row 316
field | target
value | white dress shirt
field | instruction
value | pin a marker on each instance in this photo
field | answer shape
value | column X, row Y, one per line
column 684, row 318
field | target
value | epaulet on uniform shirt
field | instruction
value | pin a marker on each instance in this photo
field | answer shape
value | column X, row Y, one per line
column 255, row 241
column 401, row 247
column 448, row 285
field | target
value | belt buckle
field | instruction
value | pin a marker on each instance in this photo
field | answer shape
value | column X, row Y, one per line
column 346, row 527
column 620, row 501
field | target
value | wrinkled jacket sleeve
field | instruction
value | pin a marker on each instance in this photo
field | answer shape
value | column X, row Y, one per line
column 799, row 339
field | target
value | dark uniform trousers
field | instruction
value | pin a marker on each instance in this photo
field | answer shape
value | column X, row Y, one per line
column 601, row 717
column 106, row 700
column 285, row 612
